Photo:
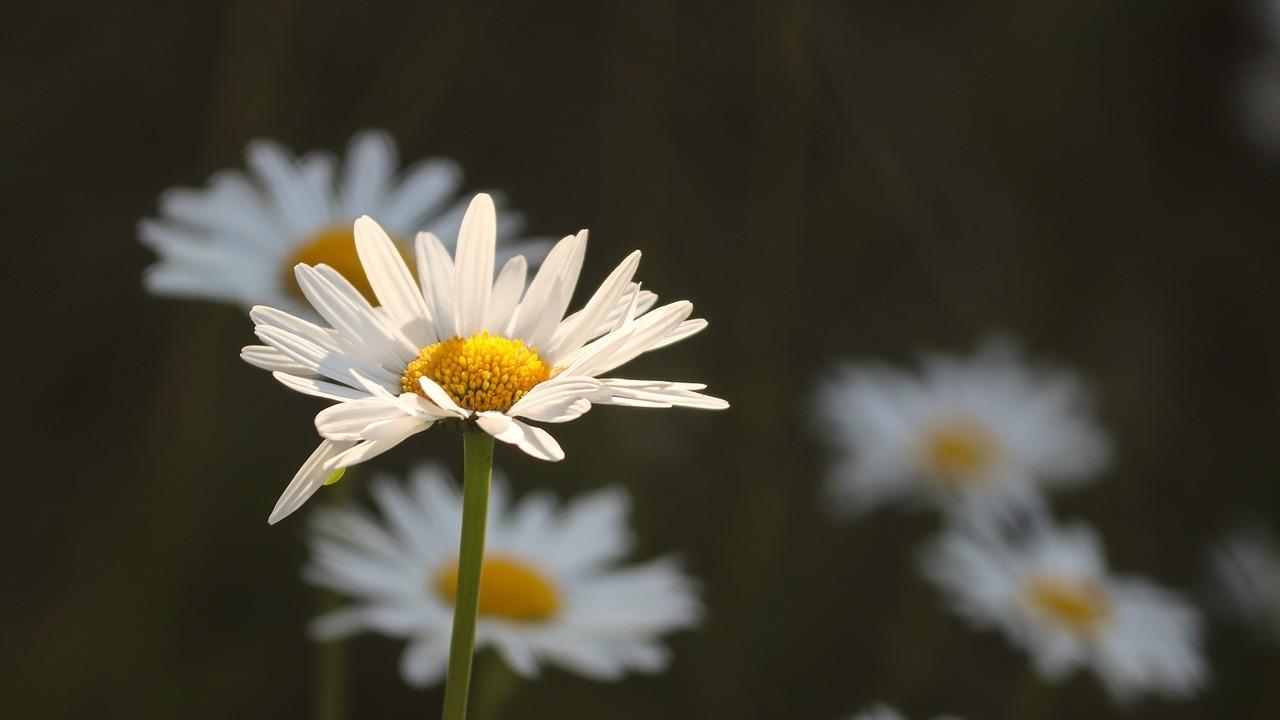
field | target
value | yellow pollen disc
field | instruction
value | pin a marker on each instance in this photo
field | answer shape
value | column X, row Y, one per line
column 508, row 589
column 957, row 452
column 1079, row 605
column 483, row 372
column 335, row 246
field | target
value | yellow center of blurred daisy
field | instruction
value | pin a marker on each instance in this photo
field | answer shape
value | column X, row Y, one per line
column 1080, row 605
column 508, row 589
column 956, row 452
column 335, row 246
column 482, row 372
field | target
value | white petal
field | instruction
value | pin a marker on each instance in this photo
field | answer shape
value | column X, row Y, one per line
column 392, row 283
column 299, row 209
column 534, row 441
column 441, row 398
column 506, row 294
column 574, row 332
column 370, row 164
column 348, row 420
column 435, row 273
column 350, row 314
column 272, row 360
column 543, row 290
column 644, row 393
column 318, row 388
column 632, row 339
column 559, row 400
column 424, row 660
column 420, row 194
column 309, row 478
column 684, row 330
column 473, row 271
column 372, row 448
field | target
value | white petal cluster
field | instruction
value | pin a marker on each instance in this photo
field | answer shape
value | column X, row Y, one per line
column 1137, row 637
column 232, row 241
column 609, row 618
column 988, row 431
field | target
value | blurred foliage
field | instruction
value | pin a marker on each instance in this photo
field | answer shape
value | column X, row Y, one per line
column 824, row 179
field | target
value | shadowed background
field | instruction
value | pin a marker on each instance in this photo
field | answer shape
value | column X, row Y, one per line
column 824, row 180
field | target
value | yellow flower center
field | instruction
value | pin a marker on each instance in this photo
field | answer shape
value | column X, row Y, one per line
column 1080, row 605
column 483, row 372
column 956, row 452
column 335, row 246
column 508, row 589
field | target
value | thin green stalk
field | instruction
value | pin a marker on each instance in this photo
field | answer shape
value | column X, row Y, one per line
column 331, row 660
column 477, row 470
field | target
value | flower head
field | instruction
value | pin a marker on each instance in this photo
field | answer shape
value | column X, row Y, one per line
column 552, row 590
column 238, row 239
column 987, row 431
column 457, row 345
column 1052, row 595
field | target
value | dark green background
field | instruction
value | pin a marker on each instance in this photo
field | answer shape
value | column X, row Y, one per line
column 825, row 180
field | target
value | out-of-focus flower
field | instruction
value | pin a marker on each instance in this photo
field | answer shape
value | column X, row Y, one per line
column 884, row 712
column 237, row 239
column 463, row 347
column 1258, row 85
column 986, row 431
column 1247, row 571
column 1053, row 596
column 552, row 590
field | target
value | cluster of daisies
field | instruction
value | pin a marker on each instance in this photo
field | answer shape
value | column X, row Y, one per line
column 358, row 299
column 981, row 440
column 405, row 306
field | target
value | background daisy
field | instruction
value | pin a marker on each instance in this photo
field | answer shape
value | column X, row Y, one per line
column 237, row 239
column 1052, row 595
column 987, row 431
column 553, row 590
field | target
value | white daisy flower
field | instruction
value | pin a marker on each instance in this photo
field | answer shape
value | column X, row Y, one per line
column 463, row 347
column 884, row 712
column 1053, row 596
column 237, row 240
column 552, row 590
column 984, row 431
column 1247, row 570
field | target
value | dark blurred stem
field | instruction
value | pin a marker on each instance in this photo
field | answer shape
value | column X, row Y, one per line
column 331, row 661
column 477, row 469
column 496, row 684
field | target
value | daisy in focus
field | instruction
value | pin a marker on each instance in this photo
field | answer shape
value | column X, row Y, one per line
column 456, row 345
column 238, row 239
column 884, row 712
column 1053, row 597
column 552, row 589
column 986, row 431
column 1247, row 573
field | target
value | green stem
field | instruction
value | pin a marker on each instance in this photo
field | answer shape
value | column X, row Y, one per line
column 477, row 469
column 331, row 661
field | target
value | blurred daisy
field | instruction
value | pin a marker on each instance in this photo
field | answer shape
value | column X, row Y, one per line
column 985, row 431
column 463, row 347
column 552, row 589
column 237, row 240
column 884, row 712
column 1247, row 571
column 1053, row 597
